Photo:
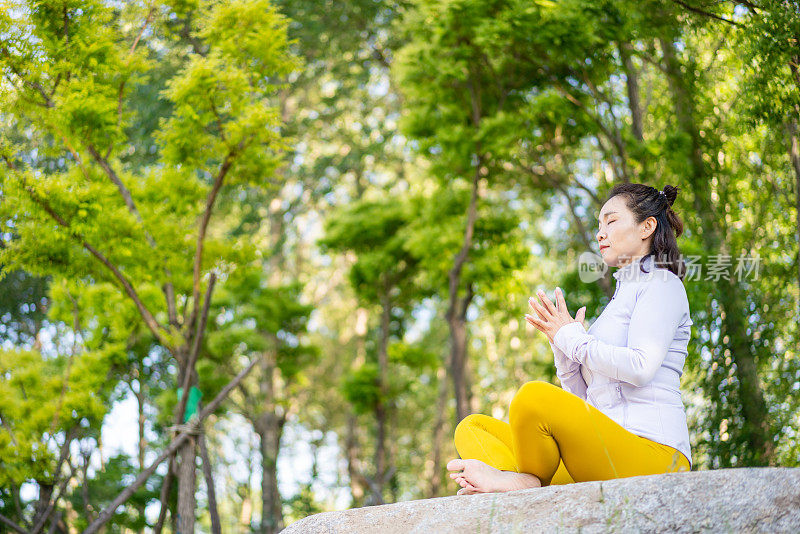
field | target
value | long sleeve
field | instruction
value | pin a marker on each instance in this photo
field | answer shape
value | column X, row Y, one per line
column 657, row 313
column 569, row 373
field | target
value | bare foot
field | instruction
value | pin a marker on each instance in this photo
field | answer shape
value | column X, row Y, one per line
column 475, row 476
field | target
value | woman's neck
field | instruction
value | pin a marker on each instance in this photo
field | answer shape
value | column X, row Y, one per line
column 631, row 259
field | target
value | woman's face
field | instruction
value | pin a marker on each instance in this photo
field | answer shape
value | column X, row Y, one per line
column 620, row 238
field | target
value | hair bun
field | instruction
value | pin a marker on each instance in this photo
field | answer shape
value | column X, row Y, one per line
column 671, row 192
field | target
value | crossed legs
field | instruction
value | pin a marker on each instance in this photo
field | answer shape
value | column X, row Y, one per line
column 554, row 437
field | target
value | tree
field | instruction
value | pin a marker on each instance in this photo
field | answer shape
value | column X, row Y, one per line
column 270, row 323
column 468, row 71
column 385, row 275
column 93, row 217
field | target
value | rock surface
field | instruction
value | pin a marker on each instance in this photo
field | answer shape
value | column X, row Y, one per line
column 726, row 500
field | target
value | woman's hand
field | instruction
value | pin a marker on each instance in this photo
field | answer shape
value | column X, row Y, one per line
column 550, row 317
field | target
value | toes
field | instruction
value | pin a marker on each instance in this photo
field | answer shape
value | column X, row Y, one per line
column 467, row 485
column 455, row 465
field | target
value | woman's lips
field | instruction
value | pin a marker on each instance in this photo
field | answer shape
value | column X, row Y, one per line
column 603, row 247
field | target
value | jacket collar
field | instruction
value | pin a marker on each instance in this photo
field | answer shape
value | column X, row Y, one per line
column 632, row 269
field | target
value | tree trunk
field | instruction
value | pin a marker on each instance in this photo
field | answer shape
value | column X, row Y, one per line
column 269, row 427
column 187, row 485
column 142, row 447
column 140, row 400
column 187, row 475
column 751, row 397
column 753, row 406
column 45, row 494
column 632, row 86
column 635, row 105
column 358, row 488
column 434, row 475
column 794, row 154
column 277, row 261
column 795, row 157
column 459, row 367
column 381, row 409
column 211, row 491
column 358, row 484
column 456, row 311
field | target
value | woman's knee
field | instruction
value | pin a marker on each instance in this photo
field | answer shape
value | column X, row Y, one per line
column 531, row 398
column 468, row 421
column 465, row 432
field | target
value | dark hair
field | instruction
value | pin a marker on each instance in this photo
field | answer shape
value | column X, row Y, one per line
column 646, row 201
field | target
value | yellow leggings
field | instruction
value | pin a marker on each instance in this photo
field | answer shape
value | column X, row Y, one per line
column 561, row 439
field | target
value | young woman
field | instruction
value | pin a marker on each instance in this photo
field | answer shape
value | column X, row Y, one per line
column 620, row 412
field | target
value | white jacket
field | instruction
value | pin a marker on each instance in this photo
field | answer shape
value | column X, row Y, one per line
column 629, row 363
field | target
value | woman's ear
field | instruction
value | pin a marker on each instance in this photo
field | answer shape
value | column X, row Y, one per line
column 648, row 227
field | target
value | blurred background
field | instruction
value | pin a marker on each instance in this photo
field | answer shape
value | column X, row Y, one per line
column 324, row 220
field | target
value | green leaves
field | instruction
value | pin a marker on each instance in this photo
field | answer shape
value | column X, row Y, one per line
column 71, row 190
column 42, row 398
column 769, row 49
column 471, row 65
column 124, row 125
column 376, row 232
column 221, row 107
column 360, row 388
column 254, row 318
column 252, row 34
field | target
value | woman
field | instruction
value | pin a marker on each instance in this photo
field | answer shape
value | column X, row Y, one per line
column 619, row 413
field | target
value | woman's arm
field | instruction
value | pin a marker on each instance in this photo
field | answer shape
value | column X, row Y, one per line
column 569, row 373
column 659, row 309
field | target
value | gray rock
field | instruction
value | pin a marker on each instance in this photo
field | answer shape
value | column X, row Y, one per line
column 763, row 499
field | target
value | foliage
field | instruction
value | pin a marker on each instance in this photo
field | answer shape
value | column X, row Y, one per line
column 325, row 155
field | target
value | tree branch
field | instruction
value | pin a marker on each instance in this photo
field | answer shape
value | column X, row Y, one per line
column 609, row 154
column 201, row 234
column 18, row 504
column 75, row 329
column 63, row 455
column 86, row 456
column 123, row 191
column 103, row 160
column 210, row 490
column 190, row 429
column 614, row 135
column 169, row 291
column 148, row 317
column 166, row 487
column 707, row 14
column 55, row 522
column 181, row 410
column 186, row 33
column 5, row 424
column 13, row 526
column 189, row 367
column 33, row 85
column 749, row 5
column 121, row 91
